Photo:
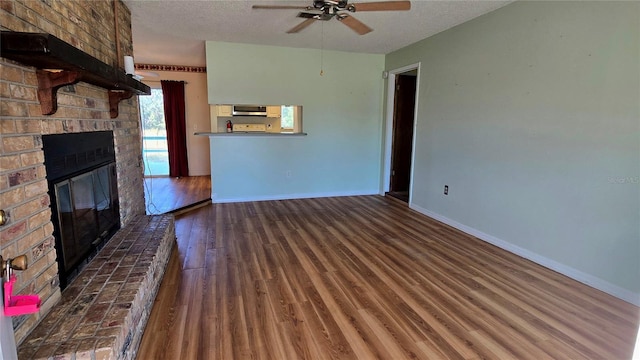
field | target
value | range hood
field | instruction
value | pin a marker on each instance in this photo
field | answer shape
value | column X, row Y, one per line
column 249, row 110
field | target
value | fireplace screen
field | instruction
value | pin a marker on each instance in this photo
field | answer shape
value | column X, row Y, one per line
column 81, row 173
column 86, row 213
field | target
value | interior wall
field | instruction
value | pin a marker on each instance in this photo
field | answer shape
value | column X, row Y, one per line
column 530, row 115
column 341, row 114
column 197, row 116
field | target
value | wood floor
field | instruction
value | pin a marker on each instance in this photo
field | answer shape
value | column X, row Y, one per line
column 400, row 195
column 167, row 194
column 366, row 278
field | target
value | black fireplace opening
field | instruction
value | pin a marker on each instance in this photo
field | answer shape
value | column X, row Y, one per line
column 81, row 174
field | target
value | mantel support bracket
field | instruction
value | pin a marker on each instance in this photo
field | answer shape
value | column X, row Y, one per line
column 60, row 64
column 114, row 99
column 48, row 84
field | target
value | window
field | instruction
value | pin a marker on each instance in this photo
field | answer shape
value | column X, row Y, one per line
column 287, row 117
column 155, row 153
column 291, row 118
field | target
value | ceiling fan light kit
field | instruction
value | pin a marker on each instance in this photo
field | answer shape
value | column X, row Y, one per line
column 325, row 10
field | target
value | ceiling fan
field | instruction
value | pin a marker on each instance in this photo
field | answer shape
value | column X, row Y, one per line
column 325, row 10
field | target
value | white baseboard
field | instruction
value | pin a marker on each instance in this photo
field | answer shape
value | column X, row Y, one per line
column 593, row 281
column 219, row 200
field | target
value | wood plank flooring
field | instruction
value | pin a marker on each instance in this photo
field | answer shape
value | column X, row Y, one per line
column 167, row 194
column 366, row 278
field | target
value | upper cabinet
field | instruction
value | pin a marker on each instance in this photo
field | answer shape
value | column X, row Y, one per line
column 273, row 111
column 224, row 110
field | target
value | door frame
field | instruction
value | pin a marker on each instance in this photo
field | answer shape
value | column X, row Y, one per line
column 7, row 336
column 388, row 127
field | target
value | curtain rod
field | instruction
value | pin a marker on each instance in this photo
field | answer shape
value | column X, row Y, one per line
column 157, row 81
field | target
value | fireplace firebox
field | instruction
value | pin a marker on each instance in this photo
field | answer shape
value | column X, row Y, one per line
column 81, row 175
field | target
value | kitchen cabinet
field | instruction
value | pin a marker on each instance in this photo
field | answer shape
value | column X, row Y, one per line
column 224, row 110
column 219, row 111
column 273, row 111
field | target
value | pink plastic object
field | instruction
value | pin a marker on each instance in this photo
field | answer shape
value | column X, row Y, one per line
column 19, row 304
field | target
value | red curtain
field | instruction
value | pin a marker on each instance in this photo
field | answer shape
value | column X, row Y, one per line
column 174, row 117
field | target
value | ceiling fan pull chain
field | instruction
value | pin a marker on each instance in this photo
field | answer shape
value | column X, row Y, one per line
column 322, row 50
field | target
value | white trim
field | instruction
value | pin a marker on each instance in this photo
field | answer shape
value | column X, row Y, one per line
column 636, row 351
column 388, row 126
column 217, row 200
column 595, row 282
column 7, row 337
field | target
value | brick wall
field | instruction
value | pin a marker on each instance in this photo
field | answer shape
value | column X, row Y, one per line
column 90, row 26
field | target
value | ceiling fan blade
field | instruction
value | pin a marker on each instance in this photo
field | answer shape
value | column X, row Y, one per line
column 355, row 24
column 382, row 6
column 301, row 26
column 279, row 7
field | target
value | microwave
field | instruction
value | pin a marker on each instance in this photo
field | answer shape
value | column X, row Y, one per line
column 249, row 110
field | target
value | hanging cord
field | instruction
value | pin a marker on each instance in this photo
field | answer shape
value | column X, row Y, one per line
column 151, row 207
column 322, row 49
column 148, row 186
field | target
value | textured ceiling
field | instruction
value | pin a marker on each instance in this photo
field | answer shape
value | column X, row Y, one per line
column 173, row 31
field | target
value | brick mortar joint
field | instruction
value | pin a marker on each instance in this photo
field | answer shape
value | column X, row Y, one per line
column 150, row 284
column 22, row 168
column 22, row 84
column 52, row 17
column 14, row 220
column 32, row 280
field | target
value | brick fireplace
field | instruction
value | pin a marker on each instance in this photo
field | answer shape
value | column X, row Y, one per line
column 102, row 29
column 81, row 173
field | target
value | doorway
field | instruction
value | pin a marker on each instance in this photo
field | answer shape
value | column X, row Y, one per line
column 400, row 137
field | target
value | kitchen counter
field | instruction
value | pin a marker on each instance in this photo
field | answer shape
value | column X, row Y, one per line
column 248, row 133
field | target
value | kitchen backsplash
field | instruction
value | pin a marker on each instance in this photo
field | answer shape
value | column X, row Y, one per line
column 277, row 117
column 271, row 124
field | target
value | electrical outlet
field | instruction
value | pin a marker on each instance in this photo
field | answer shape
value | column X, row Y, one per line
column 446, row 189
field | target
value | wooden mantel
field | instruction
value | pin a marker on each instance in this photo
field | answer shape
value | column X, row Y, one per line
column 59, row 64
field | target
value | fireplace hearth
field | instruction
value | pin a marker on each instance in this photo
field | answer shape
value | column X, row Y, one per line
column 81, row 175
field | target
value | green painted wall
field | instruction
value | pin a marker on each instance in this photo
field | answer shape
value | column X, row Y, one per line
column 342, row 114
column 531, row 115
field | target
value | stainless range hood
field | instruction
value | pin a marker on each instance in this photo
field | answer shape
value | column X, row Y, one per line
column 249, row 110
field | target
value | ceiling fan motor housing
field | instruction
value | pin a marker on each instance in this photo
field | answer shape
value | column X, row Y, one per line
column 325, row 10
column 320, row 4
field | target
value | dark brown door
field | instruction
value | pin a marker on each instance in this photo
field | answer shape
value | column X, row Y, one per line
column 402, row 143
